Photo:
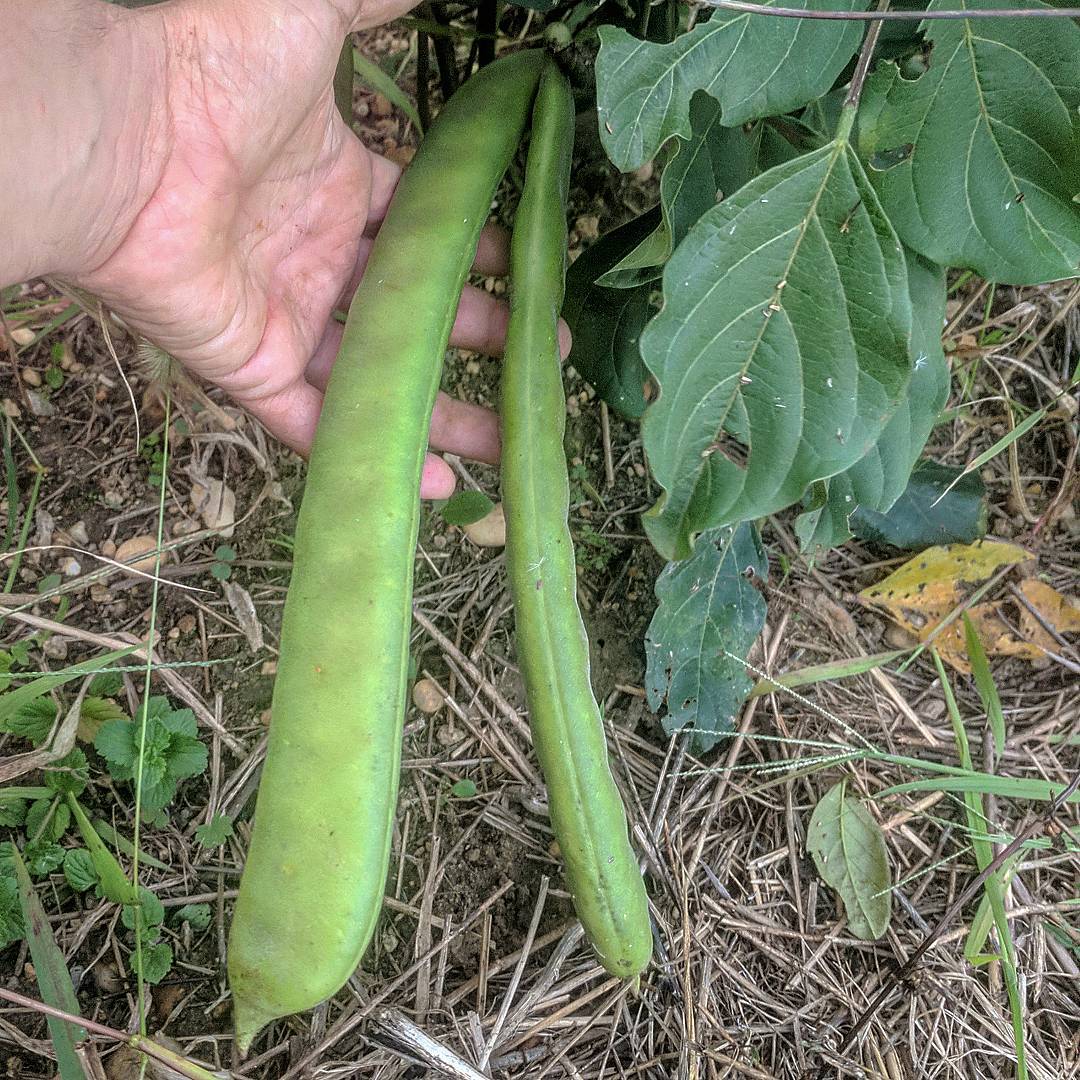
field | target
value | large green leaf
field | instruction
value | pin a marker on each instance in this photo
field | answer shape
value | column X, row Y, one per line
column 709, row 607
column 782, row 349
column 849, row 849
column 754, row 66
column 606, row 323
column 874, row 483
column 714, row 163
column 984, row 148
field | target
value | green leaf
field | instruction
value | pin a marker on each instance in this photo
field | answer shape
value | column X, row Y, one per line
column 49, row 582
column 715, row 162
column 42, row 857
column 115, row 742
column 215, row 832
column 221, row 571
column 69, row 773
column 849, row 850
column 79, row 869
column 157, row 961
column 606, row 323
column 12, row 813
column 984, row 683
column 465, row 507
column 114, row 883
column 881, row 477
column 34, row 720
column 150, row 908
column 196, row 915
column 374, row 78
column 977, row 162
column 11, row 920
column 745, row 61
column 923, row 517
column 187, row 757
column 225, row 553
column 107, row 684
column 709, row 607
column 100, row 710
column 765, row 389
column 53, row 978
column 463, row 789
column 47, row 820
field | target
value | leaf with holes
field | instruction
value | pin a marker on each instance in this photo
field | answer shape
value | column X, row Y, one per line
column 882, row 476
column 978, row 161
column 849, row 851
column 765, row 388
column 753, row 66
column 709, row 615
column 713, row 163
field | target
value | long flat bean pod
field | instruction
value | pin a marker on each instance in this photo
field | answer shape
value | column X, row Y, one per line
column 313, row 884
column 587, row 814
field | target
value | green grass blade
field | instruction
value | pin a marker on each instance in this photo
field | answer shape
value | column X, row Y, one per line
column 984, row 683
column 815, row 673
column 53, row 977
column 374, row 78
column 14, row 700
column 123, row 844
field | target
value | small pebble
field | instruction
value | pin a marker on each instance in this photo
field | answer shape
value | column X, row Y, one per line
column 39, row 404
column 174, row 633
column 113, row 499
column 100, row 594
column 11, row 409
column 108, row 549
column 490, row 530
column 269, row 668
column 134, row 546
column 70, row 568
column 78, row 533
column 56, row 648
column 427, row 697
column 30, row 376
column 380, row 106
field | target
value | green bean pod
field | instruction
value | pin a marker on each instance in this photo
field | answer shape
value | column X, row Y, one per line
column 587, row 813
column 312, row 887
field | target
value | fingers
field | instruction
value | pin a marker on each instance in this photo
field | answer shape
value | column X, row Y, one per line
column 437, row 480
column 467, row 430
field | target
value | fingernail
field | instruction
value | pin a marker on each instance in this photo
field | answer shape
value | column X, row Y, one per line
column 566, row 339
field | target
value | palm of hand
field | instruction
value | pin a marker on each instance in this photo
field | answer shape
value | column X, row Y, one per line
column 252, row 235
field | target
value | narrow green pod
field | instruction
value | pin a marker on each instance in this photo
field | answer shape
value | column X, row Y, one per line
column 313, row 884
column 587, row 814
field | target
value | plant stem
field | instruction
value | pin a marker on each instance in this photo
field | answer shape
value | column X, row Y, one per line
column 136, row 1042
column 487, row 28
column 423, row 78
column 863, row 67
column 444, row 51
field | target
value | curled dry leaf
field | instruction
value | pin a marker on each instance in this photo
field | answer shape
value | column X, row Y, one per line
column 215, row 502
column 243, row 607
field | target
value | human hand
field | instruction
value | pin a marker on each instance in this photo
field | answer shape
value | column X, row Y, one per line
column 261, row 215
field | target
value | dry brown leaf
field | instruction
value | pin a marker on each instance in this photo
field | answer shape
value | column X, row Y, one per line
column 923, row 592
